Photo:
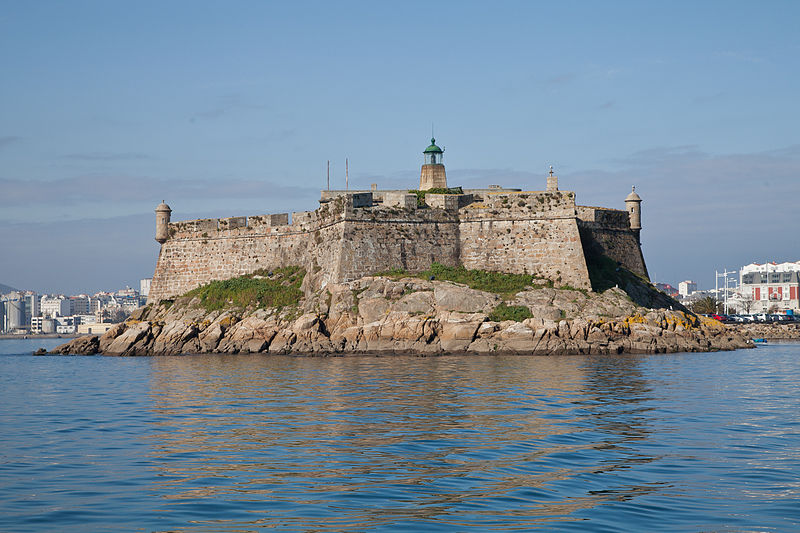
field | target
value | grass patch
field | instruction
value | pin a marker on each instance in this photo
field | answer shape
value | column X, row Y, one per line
column 261, row 289
column 517, row 313
column 435, row 190
column 505, row 285
column 483, row 280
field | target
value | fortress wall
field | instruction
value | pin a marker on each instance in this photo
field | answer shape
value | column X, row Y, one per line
column 608, row 232
column 184, row 264
column 608, row 218
column 521, row 205
column 268, row 221
column 200, row 251
column 620, row 245
column 376, row 240
column 545, row 248
column 208, row 228
column 525, row 232
column 541, row 233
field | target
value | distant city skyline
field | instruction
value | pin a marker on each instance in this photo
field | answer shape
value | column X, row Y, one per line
column 234, row 109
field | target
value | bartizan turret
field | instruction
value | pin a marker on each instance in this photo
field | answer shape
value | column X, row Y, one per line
column 432, row 175
column 162, row 222
column 633, row 205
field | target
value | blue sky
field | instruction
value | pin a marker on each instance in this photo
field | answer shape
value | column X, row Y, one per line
column 233, row 108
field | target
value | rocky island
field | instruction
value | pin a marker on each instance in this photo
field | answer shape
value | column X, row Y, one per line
column 429, row 270
column 393, row 313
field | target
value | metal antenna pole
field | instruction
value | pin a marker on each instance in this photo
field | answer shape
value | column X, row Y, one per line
column 329, row 174
column 346, row 175
column 726, row 292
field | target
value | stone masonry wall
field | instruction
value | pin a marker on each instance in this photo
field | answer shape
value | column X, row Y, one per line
column 608, row 232
column 525, row 232
column 380, row 239
column 201, row 251
column 539, row 233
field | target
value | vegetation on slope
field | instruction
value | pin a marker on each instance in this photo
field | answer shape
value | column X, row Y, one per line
column 261, row 289
column 605, row 273
column 506, row 285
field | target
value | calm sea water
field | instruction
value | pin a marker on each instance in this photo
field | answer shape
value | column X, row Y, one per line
column 687, row 442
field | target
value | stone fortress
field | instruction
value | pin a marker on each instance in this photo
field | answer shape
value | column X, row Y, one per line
column 358, row 233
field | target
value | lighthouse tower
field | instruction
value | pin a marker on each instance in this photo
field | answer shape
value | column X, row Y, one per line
column 432, row 175
column 633, row 205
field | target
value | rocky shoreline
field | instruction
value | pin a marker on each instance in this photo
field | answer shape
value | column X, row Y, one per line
column 383, row 315
column 789, row 331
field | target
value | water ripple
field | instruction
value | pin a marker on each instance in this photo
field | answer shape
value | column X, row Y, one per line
column 237, row 443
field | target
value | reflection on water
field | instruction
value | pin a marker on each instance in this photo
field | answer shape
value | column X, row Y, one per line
column 428, row 435
column 235, row 443
column 360, row 442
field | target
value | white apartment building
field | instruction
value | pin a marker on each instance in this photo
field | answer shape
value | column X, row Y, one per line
column 53, row 306
column 41, row 324
column 685, row 288
column 771, row 287
column 144, row 287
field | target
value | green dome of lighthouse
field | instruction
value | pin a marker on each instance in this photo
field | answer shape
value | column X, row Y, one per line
column 432, row 148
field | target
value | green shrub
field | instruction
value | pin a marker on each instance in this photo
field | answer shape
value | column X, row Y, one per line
column 517, row 313
column 259, row 289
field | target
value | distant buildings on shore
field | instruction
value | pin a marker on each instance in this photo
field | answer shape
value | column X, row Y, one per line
column 685, row 288
column 770, row 287
column 760, row 288
column 26, row 312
